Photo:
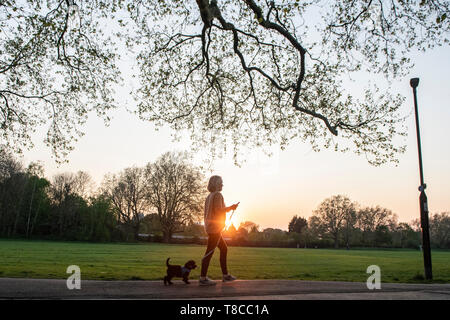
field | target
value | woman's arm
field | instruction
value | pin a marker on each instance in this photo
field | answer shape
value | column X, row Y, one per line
column 219, row 205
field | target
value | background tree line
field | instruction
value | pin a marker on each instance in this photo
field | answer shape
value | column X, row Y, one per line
column 68, row 207
column 166, row 197
column 339, row 222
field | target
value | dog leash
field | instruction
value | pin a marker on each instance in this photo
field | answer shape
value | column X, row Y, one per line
column 218, row 240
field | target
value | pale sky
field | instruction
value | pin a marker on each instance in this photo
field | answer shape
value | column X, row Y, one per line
column 296, row 180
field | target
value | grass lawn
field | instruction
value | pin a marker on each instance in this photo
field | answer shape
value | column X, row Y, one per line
column 146, row 261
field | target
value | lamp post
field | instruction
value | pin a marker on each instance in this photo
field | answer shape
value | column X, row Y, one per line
column 424, row 223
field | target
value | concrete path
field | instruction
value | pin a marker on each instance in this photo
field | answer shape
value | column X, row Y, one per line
column 14, row 288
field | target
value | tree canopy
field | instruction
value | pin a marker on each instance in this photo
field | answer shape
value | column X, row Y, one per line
column 53, row 72
column 297, row 224
column 335, row 216
column 245, row 73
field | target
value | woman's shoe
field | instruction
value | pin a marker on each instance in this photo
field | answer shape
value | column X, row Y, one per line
column 228, row 278
column 206, row 282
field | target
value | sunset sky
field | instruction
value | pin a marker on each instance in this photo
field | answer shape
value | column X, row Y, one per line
column 296, row 180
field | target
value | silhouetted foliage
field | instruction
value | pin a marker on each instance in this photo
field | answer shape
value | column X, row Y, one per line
column 175, row 189
column 382, row 236
column 127, row 192
column 297, row 224
column 250, row 72
column 254, row 73
column 335, row 218
column 440, row 230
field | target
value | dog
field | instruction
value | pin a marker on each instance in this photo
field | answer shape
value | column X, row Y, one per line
column 178, row 271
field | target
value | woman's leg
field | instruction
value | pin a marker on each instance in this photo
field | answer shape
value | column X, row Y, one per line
column 223, row 255
column 212, row 243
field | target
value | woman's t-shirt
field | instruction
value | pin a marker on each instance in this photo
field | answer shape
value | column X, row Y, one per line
column 214, row 219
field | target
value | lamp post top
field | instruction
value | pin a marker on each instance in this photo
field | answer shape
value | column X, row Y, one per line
column 414, row 82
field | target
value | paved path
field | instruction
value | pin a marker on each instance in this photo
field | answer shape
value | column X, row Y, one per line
column 14, row 288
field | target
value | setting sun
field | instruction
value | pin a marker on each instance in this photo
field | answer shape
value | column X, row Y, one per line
column 234, row 220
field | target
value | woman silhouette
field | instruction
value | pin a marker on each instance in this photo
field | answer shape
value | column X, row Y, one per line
column 214, row 218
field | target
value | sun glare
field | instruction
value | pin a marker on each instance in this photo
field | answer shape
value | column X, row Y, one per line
column 232, row 221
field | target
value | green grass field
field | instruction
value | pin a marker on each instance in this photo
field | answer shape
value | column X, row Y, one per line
column 146, row 261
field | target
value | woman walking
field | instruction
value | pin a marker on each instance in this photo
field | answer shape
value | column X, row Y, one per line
column 214, row 218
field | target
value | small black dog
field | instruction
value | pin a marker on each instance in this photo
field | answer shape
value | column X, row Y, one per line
column 179, row 271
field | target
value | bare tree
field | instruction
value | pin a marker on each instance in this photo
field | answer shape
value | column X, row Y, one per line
column 67, row 183
column 128, row 194
column 176, row 191
column 65, row 191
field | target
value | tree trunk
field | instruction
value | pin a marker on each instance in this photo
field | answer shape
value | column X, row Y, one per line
column 167, row 236
column 18, row 207
column 35, row 217
column 136, row 232
column 31, row 206
column 16, row 220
